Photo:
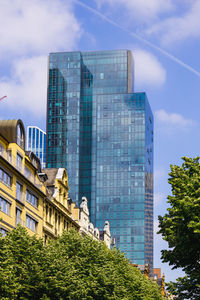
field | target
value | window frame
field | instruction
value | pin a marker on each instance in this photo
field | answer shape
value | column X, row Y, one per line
column 33, row 197
column 21, row 192
column 1, row 148
column 5, row 231
column 30, row 220
column 20, row 135
column 19, row 155
column 5, row 172
column 8, row 204
column 18, row 220
column 9, row 155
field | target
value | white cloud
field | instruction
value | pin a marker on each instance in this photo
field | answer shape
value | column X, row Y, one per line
column 142, row 10
column 172, row 119
column 148, row 70
column 37, row 27
column 29, row 30
column 27, row 87
column 176, row 29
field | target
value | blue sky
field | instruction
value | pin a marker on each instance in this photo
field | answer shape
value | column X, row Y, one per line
column 164, row 36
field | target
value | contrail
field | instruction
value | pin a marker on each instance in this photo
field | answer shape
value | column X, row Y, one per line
column 167, row 54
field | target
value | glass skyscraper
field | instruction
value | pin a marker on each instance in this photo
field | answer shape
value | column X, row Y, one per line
column 36, row 142
column 102, row 132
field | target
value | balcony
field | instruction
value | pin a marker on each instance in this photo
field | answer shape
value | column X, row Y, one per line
column 20, row 167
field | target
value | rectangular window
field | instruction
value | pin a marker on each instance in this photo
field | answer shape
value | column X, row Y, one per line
column 1, row 149
column 47, row 213
column 5, row 206
column 31, row 198
column 9, row 155
column 18, row 216
column 31, row 223
column 3, row 232
column 19, row 192
column 50, row 213
column 45, row 239
column 27, row 172
column 19, row 162
column 5, row 177
column 58, row 222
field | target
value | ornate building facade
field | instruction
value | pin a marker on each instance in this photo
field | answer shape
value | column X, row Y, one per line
column 37, row 198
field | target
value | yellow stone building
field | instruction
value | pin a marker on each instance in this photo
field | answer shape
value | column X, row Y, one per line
column 35, row 198
column 21, row 191
column 60, row 213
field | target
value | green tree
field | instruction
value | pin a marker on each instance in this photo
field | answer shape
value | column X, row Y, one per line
column 180, row 227
column 21, row 266
column 71, row 267
column 89, row 270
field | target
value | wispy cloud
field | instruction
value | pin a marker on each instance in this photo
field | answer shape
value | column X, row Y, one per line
column 172, row 119
column 176, row 29
column 148, row 70
column 138, row 37
column 141, row 10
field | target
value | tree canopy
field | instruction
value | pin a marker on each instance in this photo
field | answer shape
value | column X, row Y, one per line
column 70, row 267
column 180, row 227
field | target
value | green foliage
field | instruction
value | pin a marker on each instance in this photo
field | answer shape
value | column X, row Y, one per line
column 180, row 227
column 92, row 271
column 21, row 260
column 185, row 287
column 71, row 267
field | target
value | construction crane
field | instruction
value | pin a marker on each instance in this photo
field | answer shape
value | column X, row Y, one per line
column 2, row 98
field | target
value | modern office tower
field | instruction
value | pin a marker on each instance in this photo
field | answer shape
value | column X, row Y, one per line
column 102, row 132
column 36, row 142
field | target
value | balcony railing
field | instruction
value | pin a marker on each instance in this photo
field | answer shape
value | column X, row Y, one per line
column 20, row 167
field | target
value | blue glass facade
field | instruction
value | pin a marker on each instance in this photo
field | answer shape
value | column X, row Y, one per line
column 36, row 142
column 102, row 132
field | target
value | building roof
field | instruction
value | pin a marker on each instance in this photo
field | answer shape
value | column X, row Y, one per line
column 51, row 173
column 32, row 156
column 8, row 129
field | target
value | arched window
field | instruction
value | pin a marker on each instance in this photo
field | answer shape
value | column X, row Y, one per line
column 20, row 136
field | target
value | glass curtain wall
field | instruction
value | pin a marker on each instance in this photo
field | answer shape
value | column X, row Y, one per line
column 102, row 132
column 36, row 142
